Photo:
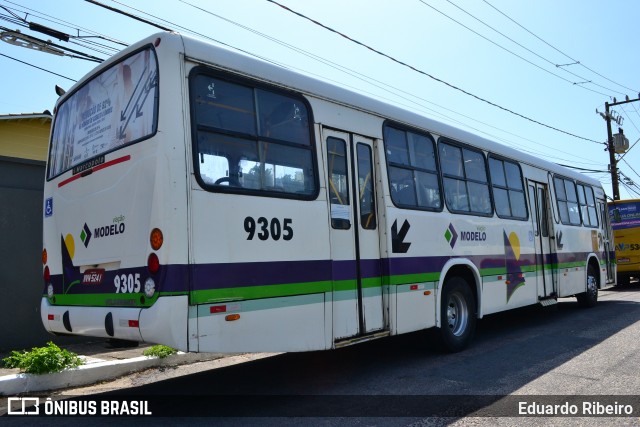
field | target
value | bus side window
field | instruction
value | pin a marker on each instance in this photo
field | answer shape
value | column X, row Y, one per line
column 508, row 189
column 367, row 191
column 567, row 198
column 534, row 211
column 338, row 184
column 412, row 169
column 466, row 185
column 282, row 118
column 261, row 138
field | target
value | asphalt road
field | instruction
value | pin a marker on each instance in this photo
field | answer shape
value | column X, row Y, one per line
column 563, row 355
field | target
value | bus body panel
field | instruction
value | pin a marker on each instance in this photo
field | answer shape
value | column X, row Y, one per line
column 279, row 299
column 294, row 323
column 57, row 319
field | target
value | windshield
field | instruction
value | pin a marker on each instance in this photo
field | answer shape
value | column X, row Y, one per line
column 115, row 108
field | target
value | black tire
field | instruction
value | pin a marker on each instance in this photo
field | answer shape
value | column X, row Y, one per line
column 457, row 315
column 589, row 298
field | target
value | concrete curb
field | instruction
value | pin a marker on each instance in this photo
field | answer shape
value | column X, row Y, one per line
column 94, row 371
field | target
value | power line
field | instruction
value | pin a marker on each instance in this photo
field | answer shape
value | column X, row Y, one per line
column 509, row 51
column 582, row 169
column 629, row 189
column 398, row 92
column 45, row 17
column 427, row 74
column 39, row 68
column 63, row 50
column 555, row 48
column 180, row 27
column 634, row 171
column 83, row 41
column 137, row 18
column 299, row 50
column 579, row 84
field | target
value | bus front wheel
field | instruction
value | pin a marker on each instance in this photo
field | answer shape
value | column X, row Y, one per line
column 457, row 315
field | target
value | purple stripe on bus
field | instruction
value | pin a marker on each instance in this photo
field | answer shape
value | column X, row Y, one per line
column 175, row 278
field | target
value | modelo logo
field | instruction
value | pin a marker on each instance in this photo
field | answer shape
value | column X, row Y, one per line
column 114, row 229
column 473, row 236
column 109, row 230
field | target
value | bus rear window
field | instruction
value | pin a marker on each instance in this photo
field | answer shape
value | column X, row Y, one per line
column 116, row 108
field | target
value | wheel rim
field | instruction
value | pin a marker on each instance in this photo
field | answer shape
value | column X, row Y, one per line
column 457, row 314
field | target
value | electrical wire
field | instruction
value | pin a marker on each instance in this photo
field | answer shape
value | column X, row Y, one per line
column 584, row 79
column 355, row 74
column 77, row 53
column 344, row 68
column 634, row 171
column 381, row 85
column 404, row 64
column 39, row 68
column 62, row 22
column 555, row 48
column 513, row 53
column 583, row 169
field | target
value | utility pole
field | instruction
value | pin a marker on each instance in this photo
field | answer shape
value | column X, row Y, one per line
column 610, row 145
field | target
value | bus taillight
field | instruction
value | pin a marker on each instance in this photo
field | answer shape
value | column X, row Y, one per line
column 46, row 274
column 153, row 263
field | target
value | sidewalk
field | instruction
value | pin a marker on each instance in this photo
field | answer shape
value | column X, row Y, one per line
column 102, row 362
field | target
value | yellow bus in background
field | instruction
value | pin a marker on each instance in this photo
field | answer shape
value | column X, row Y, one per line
column 625, row 222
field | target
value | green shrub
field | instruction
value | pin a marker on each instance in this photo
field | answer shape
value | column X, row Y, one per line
column 42, row 360
column 160, row 351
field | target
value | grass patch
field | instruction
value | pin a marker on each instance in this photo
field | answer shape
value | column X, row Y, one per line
column 160, row 351
column 42, row 360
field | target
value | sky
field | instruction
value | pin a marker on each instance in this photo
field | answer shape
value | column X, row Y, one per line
column 530, row 74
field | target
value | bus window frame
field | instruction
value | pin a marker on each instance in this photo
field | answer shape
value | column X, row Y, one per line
column 462, row 146
column 255, row 85
column 437, row 172
column 70, row 95
column 586, row 187
column 504, row 159
column 566, row 200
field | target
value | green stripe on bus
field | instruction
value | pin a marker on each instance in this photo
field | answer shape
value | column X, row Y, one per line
column 257, row 292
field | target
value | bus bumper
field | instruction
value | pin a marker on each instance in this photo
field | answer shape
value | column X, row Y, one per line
column 165, row 322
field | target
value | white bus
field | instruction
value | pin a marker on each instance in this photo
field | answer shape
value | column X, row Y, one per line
column 213, row 202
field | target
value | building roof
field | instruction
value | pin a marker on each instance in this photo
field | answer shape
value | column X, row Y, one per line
column 44, row 115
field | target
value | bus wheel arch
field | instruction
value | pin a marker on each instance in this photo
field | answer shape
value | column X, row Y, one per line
column 589, row 298
column 458, row 308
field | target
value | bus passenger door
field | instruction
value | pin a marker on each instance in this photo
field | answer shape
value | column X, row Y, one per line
column 543, row 236
column 355, row 249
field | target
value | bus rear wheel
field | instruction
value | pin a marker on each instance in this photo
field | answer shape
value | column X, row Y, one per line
column 589, row 298
column 457, row 315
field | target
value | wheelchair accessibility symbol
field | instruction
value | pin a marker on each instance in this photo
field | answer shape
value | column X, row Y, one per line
column 48, row 207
